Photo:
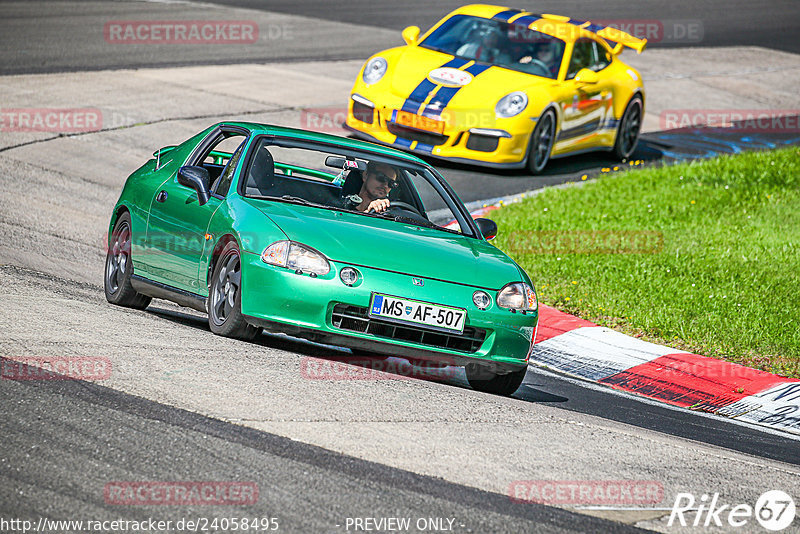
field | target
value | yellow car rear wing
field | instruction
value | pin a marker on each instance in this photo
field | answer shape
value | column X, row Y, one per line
column 618, row 39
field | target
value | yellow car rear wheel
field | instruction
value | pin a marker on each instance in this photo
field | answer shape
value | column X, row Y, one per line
column 628, row 130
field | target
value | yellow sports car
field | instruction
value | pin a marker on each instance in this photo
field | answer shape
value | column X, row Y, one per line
column 503, row 88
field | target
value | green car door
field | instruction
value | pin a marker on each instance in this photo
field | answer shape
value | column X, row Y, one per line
column 177, row 223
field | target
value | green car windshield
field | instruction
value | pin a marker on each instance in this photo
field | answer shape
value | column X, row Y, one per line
column 334, row 178
column 508, row 45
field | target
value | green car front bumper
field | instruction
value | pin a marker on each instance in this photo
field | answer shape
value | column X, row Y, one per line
column 326, row 310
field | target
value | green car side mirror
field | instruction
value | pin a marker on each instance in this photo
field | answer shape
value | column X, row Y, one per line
column 487, row 227
column 198, row 179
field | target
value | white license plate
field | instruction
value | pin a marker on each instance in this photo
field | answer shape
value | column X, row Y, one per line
column 416, row 312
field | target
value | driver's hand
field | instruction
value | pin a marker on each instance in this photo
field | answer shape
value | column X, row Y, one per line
column 526, row 59
column 378, row 206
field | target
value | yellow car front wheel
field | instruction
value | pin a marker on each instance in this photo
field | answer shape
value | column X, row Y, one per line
column 541, row 143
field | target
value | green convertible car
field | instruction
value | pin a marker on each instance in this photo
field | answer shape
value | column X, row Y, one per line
column 331, row 239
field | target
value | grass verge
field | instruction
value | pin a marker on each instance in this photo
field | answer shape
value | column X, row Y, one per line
column 701, row 256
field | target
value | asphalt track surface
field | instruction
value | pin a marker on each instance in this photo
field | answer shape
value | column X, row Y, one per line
column 771, row 23
column 54, row 36
column 63, row 440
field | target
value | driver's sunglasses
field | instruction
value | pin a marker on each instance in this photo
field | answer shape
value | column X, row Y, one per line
column 384, row 179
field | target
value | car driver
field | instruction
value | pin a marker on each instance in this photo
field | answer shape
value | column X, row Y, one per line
column 379, row 179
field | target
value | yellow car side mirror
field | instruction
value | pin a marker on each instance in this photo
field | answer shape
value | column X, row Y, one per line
column 586, row 77
column 410, row 35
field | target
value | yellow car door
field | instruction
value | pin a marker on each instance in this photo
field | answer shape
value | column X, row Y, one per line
column 587, row 109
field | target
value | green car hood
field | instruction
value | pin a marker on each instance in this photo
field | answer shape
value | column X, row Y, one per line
column 385, row 244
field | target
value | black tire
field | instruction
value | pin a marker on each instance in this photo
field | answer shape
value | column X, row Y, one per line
column 628, row 130
column 541, row 143
column 224, row 303
column 484, row 379
column 119, row 267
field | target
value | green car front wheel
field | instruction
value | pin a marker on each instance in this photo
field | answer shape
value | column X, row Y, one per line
column 225, row 297
column 483, row 378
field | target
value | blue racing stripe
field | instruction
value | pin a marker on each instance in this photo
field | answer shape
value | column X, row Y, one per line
column 477, row 68
column 424, row 148
column 403, row 142
column 445, row 94
column 592, row 27
column 418, row 95
column 415, row 99
column 440, row 101
column 507, row 14
column 521, row 32
column 527, row 20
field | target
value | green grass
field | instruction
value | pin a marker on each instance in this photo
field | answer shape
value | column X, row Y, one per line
column 726, row 280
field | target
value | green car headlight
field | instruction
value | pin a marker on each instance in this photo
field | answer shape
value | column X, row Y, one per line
column 374, row 70
column 296, row 256
column 517, row 296
column 510, row 105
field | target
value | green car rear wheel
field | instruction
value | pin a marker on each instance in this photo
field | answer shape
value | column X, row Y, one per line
column 119, row 267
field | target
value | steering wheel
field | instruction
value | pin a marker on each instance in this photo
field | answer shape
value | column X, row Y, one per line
column 396, row 204
column 399, row 205
column 540, row 65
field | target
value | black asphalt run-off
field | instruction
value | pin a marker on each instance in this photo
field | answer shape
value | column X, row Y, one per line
column 771, row 23
column 41, row 37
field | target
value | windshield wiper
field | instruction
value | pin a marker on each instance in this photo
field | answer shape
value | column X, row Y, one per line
column 294, row 200
column 418, row 222
column 290, row 198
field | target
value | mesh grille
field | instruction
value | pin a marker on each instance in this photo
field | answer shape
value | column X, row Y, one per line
column 362, row 112
column 416, row 135
column 355, row 319
column 482, row 143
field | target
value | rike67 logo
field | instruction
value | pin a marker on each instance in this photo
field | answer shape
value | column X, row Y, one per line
column 774, row 510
